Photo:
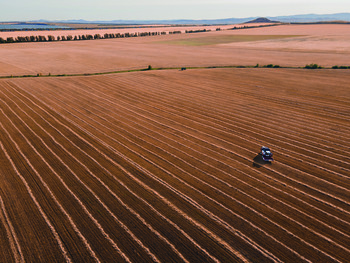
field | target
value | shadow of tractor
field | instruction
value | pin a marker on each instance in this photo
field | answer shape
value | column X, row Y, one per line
column 259, row 162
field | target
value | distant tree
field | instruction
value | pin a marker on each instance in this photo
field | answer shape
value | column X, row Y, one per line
column 10, row 40
column 69, row 38
column 20, row 39
column 313, row 66
column 42, row 38
column 75, row 38
column 2, row 40
column 58, row 38
column 97, row 36
column 51, row 38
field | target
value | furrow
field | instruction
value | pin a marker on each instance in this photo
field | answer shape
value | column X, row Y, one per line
column 120, row 135
column 120, row 167
column 225, row 142
column 328, row 240
column 138, row 122
column 130, row 128
column 71, row 192
column 204, row 115
column 48, row 222
column 11, row 234
column 188, row 199
column 106, row 187
column 242, row 107
column 153, row 163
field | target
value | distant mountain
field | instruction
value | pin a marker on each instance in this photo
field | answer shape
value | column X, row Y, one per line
column 152, row 22
column 287, row 19
column 262, row 20
column 313, row 18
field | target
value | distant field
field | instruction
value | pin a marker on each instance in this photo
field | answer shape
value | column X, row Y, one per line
column 222, row 39
column 325, row 45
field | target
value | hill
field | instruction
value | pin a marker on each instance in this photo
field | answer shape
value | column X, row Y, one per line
column 262, row 20
column 305, row 18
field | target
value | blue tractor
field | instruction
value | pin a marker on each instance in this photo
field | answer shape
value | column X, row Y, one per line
column 266, row 154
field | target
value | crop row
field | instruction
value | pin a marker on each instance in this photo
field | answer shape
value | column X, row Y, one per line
column 161, row 166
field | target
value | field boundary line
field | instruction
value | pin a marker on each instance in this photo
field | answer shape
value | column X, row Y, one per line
column 40, row 75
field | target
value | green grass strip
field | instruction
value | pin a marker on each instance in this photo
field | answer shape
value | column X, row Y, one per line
column 39, row 75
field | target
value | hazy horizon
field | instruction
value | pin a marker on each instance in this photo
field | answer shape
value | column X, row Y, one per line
column 163, row 9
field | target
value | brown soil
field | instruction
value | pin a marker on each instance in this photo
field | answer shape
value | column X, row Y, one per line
column 164, row 166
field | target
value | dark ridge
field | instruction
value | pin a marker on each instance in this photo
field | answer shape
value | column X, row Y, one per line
column 262, row 20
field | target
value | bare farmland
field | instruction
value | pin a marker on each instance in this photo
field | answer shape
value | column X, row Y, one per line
column 163, row 166
column 298, row 45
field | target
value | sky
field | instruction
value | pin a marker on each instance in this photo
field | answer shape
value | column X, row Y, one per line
column 26, row 10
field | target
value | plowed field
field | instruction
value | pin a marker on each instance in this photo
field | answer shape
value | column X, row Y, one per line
column 163, row 166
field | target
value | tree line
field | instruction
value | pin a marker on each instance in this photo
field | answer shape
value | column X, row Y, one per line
column 51, row 38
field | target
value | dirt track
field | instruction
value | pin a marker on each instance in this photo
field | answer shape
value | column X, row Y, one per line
column 164, row 166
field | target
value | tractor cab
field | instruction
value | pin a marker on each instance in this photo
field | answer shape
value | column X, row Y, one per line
column 266, row 154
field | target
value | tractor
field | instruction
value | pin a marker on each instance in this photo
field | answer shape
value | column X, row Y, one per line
column 266, row 154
